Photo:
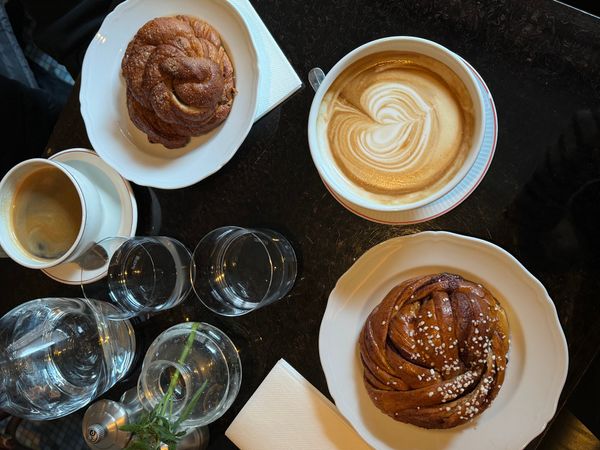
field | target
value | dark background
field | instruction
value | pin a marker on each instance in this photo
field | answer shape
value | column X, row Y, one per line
column 539, row 200
column 590, row 6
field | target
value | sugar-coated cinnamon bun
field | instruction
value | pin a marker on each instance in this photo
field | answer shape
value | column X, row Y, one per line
column 434, row 351
column 180, row 80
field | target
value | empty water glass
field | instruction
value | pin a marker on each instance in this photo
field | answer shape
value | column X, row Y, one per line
column 240, row 270
column 145, row 274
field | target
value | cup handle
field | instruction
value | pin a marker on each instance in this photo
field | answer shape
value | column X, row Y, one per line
column 316, row 77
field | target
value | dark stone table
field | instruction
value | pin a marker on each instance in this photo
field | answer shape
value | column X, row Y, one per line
column 539, row 200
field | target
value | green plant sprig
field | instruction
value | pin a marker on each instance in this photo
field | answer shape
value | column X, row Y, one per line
column 156, row 427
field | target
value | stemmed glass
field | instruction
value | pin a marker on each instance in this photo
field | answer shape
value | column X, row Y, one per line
column 145, row 274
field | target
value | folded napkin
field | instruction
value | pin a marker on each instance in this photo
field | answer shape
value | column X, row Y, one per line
column 288, row 413
column 278, row 79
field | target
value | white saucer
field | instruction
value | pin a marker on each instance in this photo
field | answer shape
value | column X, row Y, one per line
column 457, row 195
column 538, row 356
column 118, row 204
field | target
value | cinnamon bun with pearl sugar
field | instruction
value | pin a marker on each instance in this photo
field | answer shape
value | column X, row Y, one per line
column 435, row 350
column 398, row 125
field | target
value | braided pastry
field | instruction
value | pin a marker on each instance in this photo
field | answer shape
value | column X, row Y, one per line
column 434, row 351
column 180, row 81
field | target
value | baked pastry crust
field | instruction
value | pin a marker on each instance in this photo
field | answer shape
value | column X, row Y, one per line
column 180, row 80
column 434, row 351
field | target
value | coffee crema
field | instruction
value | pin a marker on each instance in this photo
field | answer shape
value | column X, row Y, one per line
column 399, row 125
column 46, row 213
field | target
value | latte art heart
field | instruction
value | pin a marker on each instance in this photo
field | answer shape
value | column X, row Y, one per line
column 396, row 132
column 398, row 125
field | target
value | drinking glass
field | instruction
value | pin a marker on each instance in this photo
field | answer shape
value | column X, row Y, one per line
column 240, row 269
column 145, row 274
column 201, row 368
column 57, row 354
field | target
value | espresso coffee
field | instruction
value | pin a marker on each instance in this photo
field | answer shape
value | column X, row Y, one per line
column 46, row 213
column 398, row 125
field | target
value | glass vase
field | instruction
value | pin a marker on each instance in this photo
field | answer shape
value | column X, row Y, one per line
column 197, row 367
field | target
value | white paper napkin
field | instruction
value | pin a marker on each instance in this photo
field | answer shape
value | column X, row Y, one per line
column 278, row 79
column 288, row 413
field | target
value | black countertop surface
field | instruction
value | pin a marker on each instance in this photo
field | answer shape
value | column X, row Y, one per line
column 539, row 199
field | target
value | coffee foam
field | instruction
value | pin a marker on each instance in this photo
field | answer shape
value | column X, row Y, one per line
column 398, row 125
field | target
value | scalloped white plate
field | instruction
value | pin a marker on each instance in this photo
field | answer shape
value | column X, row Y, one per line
column 538, row 356
column 104, row 109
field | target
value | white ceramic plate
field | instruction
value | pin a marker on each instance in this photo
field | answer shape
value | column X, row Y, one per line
column 457, row 195
column 538, row 357
column 104, row 109
column 118, row 205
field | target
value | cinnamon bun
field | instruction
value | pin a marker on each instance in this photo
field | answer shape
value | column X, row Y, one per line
column 180, row 80
column 434, row 351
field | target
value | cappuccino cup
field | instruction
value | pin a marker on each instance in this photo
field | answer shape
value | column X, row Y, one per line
column 396, row 124
column 50, row 213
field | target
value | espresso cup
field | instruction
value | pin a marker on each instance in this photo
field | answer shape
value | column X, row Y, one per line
column 390, row 166
column 87, row 199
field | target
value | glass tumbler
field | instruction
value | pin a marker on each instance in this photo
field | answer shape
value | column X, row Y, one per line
column 240, row 269
column 145, row 274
